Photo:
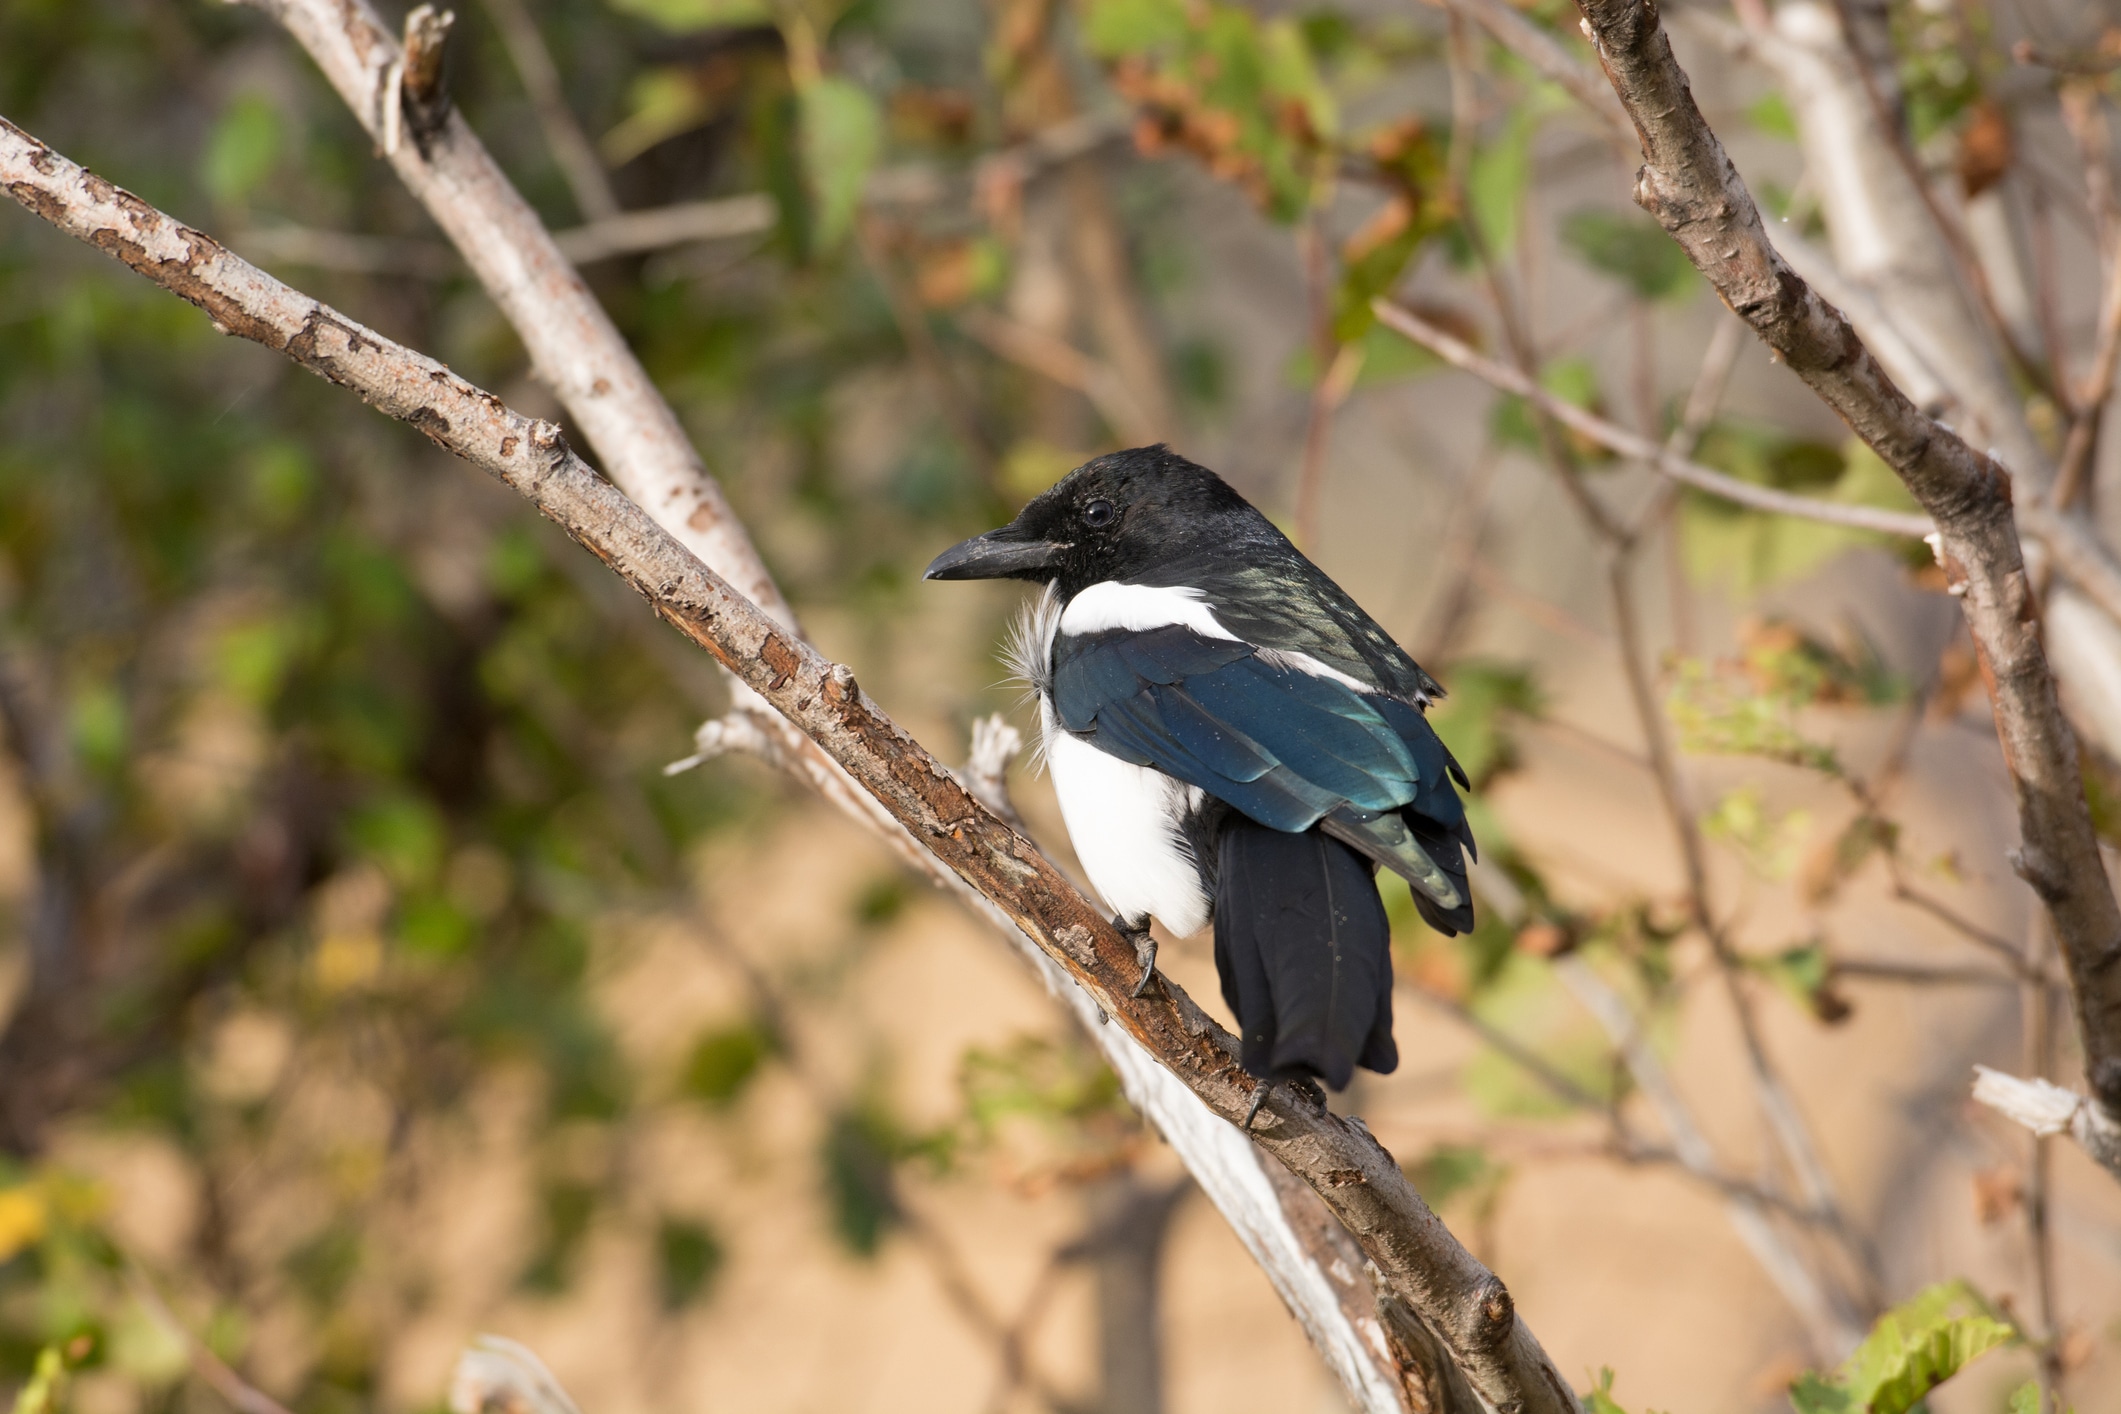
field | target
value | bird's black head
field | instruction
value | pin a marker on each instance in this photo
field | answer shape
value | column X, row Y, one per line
column 1112, row 518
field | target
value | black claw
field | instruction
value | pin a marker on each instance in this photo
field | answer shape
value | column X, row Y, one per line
column 1260, row 1091
column 1144, row 950
column 1145, row 954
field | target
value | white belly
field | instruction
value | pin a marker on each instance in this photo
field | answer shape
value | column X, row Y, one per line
column 1123, row 820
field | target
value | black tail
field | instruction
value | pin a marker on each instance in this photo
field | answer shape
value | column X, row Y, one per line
column 1304, row 952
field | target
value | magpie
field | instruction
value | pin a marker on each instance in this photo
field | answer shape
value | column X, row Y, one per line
column 1232, row 740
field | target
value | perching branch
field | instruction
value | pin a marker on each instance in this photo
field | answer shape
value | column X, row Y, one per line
column 1462, row 1305
column 1690, row 186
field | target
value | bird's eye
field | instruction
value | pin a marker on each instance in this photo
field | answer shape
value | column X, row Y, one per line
column 1098, row 514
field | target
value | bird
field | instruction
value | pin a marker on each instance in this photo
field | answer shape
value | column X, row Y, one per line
column 1234, row 742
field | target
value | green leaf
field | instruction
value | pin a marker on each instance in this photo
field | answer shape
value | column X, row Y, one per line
column 243, row 150
column 861, row 1147
column 1114, row 28
column 1474, row 719
column 688, row 1258
column 1801, row 970
column 403, row 834
column 1033, row 1078
column 99, row 727
column 1772, row 116
column 1770, row 845
column 1527, row 1002
column 45, row 1391
column 566, row 1211
column 1291, row 75
column 1632, row 250
column 688, row 16
column 1598, row 1399
column 1451, row 1170
column 252, row 659
column 1573, row 380
column 1496, row 180
column 1723, row 714
column 1749, row 549
column 1913, row 1348
column 724, row 1061
column 842, row 134
column 660, row 104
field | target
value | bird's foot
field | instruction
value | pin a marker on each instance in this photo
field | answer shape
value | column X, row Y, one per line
column 1144, row 951
column 1260, row 1090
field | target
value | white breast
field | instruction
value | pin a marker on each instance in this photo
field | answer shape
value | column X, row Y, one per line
column 1124, row 822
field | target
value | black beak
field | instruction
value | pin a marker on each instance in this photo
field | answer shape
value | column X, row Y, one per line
column 996, row 555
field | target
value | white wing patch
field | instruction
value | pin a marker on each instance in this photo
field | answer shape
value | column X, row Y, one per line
column 1110, row 605
column 1305, row 663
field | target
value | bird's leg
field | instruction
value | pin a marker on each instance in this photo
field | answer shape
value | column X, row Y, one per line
column 1144, row 949
column 1260, row 1090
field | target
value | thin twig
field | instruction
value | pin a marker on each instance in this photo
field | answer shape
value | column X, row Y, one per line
column 1063, row 363
column 1547, row 58
column 1918, row 974
column 1459, row 354
column 929, row 364
column 1833, row 1326
column 242, row 1396
column 572, row 151
column 2084, row 113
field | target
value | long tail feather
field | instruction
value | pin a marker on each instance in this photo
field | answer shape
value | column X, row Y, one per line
column 1304, row 952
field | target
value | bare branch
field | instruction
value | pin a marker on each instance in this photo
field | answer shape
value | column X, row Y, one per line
column 572, row 342
column 1833, row 1326
column 1546, row 56
column 1063, row 363
column 496, row 1375
column 1459, row 354
column 994, row 745
column 1464, row 1306
column 572, row 151
column 2046, row 1108
column 1690, row 186
column 659, row 228
column 242, row 1396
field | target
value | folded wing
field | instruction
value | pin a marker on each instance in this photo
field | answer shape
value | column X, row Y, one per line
column 1286, row 748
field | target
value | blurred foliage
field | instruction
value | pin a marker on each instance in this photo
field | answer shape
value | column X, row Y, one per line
column 1475, row 719
column 1747, row 551
column 1633, row 250
column 724, row 1060
column 1242, row 94
column 1573, row 381
column 688, row 1258
column 1769, row 844
column 1598, row 1399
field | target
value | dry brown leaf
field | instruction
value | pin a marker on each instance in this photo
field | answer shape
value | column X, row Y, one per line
column 1998, row 1193
column 1985, row 148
